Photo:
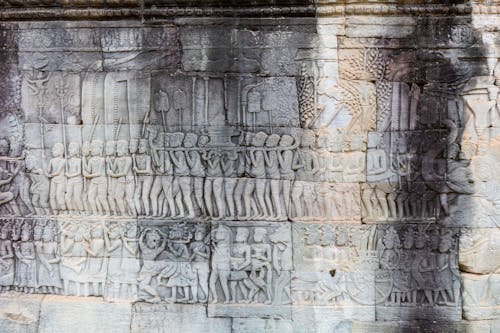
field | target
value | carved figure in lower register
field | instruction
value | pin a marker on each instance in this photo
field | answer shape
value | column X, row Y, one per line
column 151, row 244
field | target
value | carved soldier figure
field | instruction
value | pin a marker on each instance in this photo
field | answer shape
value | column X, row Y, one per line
column 306, row 164
column 445, row 276
column 197, row 170
column 273, row 174
column 151, row 244
column 110, row 151
column 164, row 177
column 221, row 263
column 95, row 171
column 200, row 255
column 56, row 173
column 24, row 251
column 182, row 173
column 39, row 188
column 124, row 180
column 229, row 169
column 97, row 260
column 213, row 184
column 144, row 172
column 49, row 277
column 241, row 261
column 258, row 172
column 6, row 258
column 8, row 193
column 74, row 187
column 285, row 159
column 261, row 274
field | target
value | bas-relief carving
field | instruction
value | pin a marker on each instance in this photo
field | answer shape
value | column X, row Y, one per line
column 386, row 266
column 250, row 270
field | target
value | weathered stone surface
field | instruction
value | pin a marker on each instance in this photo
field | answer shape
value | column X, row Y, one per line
column 76, row 314
column 249, row 166
column 19, row 312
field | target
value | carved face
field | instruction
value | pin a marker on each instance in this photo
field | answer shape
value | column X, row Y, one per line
column 47, row 234
column 57, row 150
column 4, row 233
column 96, row 148
column 258, row 235
column 199, row 235
column 25, row 235
column 190, row 140
column 286, row 141
column 122, row 148
column 445, row 245
column 259, row 139
column 272, row 140
column 73, row 149
column 133, row 146
column 241, row 235
column 86, row 148
column 37, row 233
column 153, row 239
column 132, row 232
column 110, row 148
column 307, row 140
column 203, row 140
column 97, row 232
column 143, row 146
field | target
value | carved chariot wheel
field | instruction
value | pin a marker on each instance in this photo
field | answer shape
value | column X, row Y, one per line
column 368, row 284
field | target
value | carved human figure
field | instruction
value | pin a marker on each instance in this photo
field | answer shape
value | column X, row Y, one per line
column 74, row 259
column 274, row 175
column 419, row 268
column 49, row 277
column 85, row 166
column 178, row 272
column 144, row 177
column 200, row 255
column 24, row 251
column 8, row 171
column 55, row 171
column 182, row 181
column 123, row 177
column 229, row 169
column 445, row 276
column 74, row 186
column 402, row 283
column 114, row 244
column 261, row 273
column 130, row 264
column 110, row 152
column 196, row 168
column 97, row 260
column 241, row 261
column 287, row 174
column 6, row 258
column 39, row 187
column 164, row 177
column 389, row 259
column 213, row 184
column 151, row 244
column 257, row 186
column 221, row 263
column 306, row 164
column 246, row 206
column 280, row 240
column 95, row 171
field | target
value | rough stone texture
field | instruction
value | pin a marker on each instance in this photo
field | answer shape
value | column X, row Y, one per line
column 249, row 166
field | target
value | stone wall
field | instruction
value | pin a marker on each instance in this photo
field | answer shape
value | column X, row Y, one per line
column 260, row 166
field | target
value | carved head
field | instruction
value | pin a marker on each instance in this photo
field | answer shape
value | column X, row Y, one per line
column 143, row 146
column 272, row 140
column 286, row 140
column 132, row 232
column 122, row 147
column 446, row 242
column 176, row 139
column 58, row 150
column 259, row 235
column 408, row 238
column 25, row 233
column 152, row 239
column 48, row 234
column 242, row 235
column 86, row 148
column 248, row 138
column 190, row 140
column 259, row 139
column 97, row 232
column 199, row 232
column 391, row 239
column 73, row 149
column 307, row 139
column 4, row 231
column 4, row 147
column 110, row 148
column 133, row 145
column 30, row 162
column 37, row 232
column 96, row 147
column 203, row 140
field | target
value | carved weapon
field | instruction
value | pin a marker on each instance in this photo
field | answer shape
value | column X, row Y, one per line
column 60, row 92
column 118, row 129
column 94, row 125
